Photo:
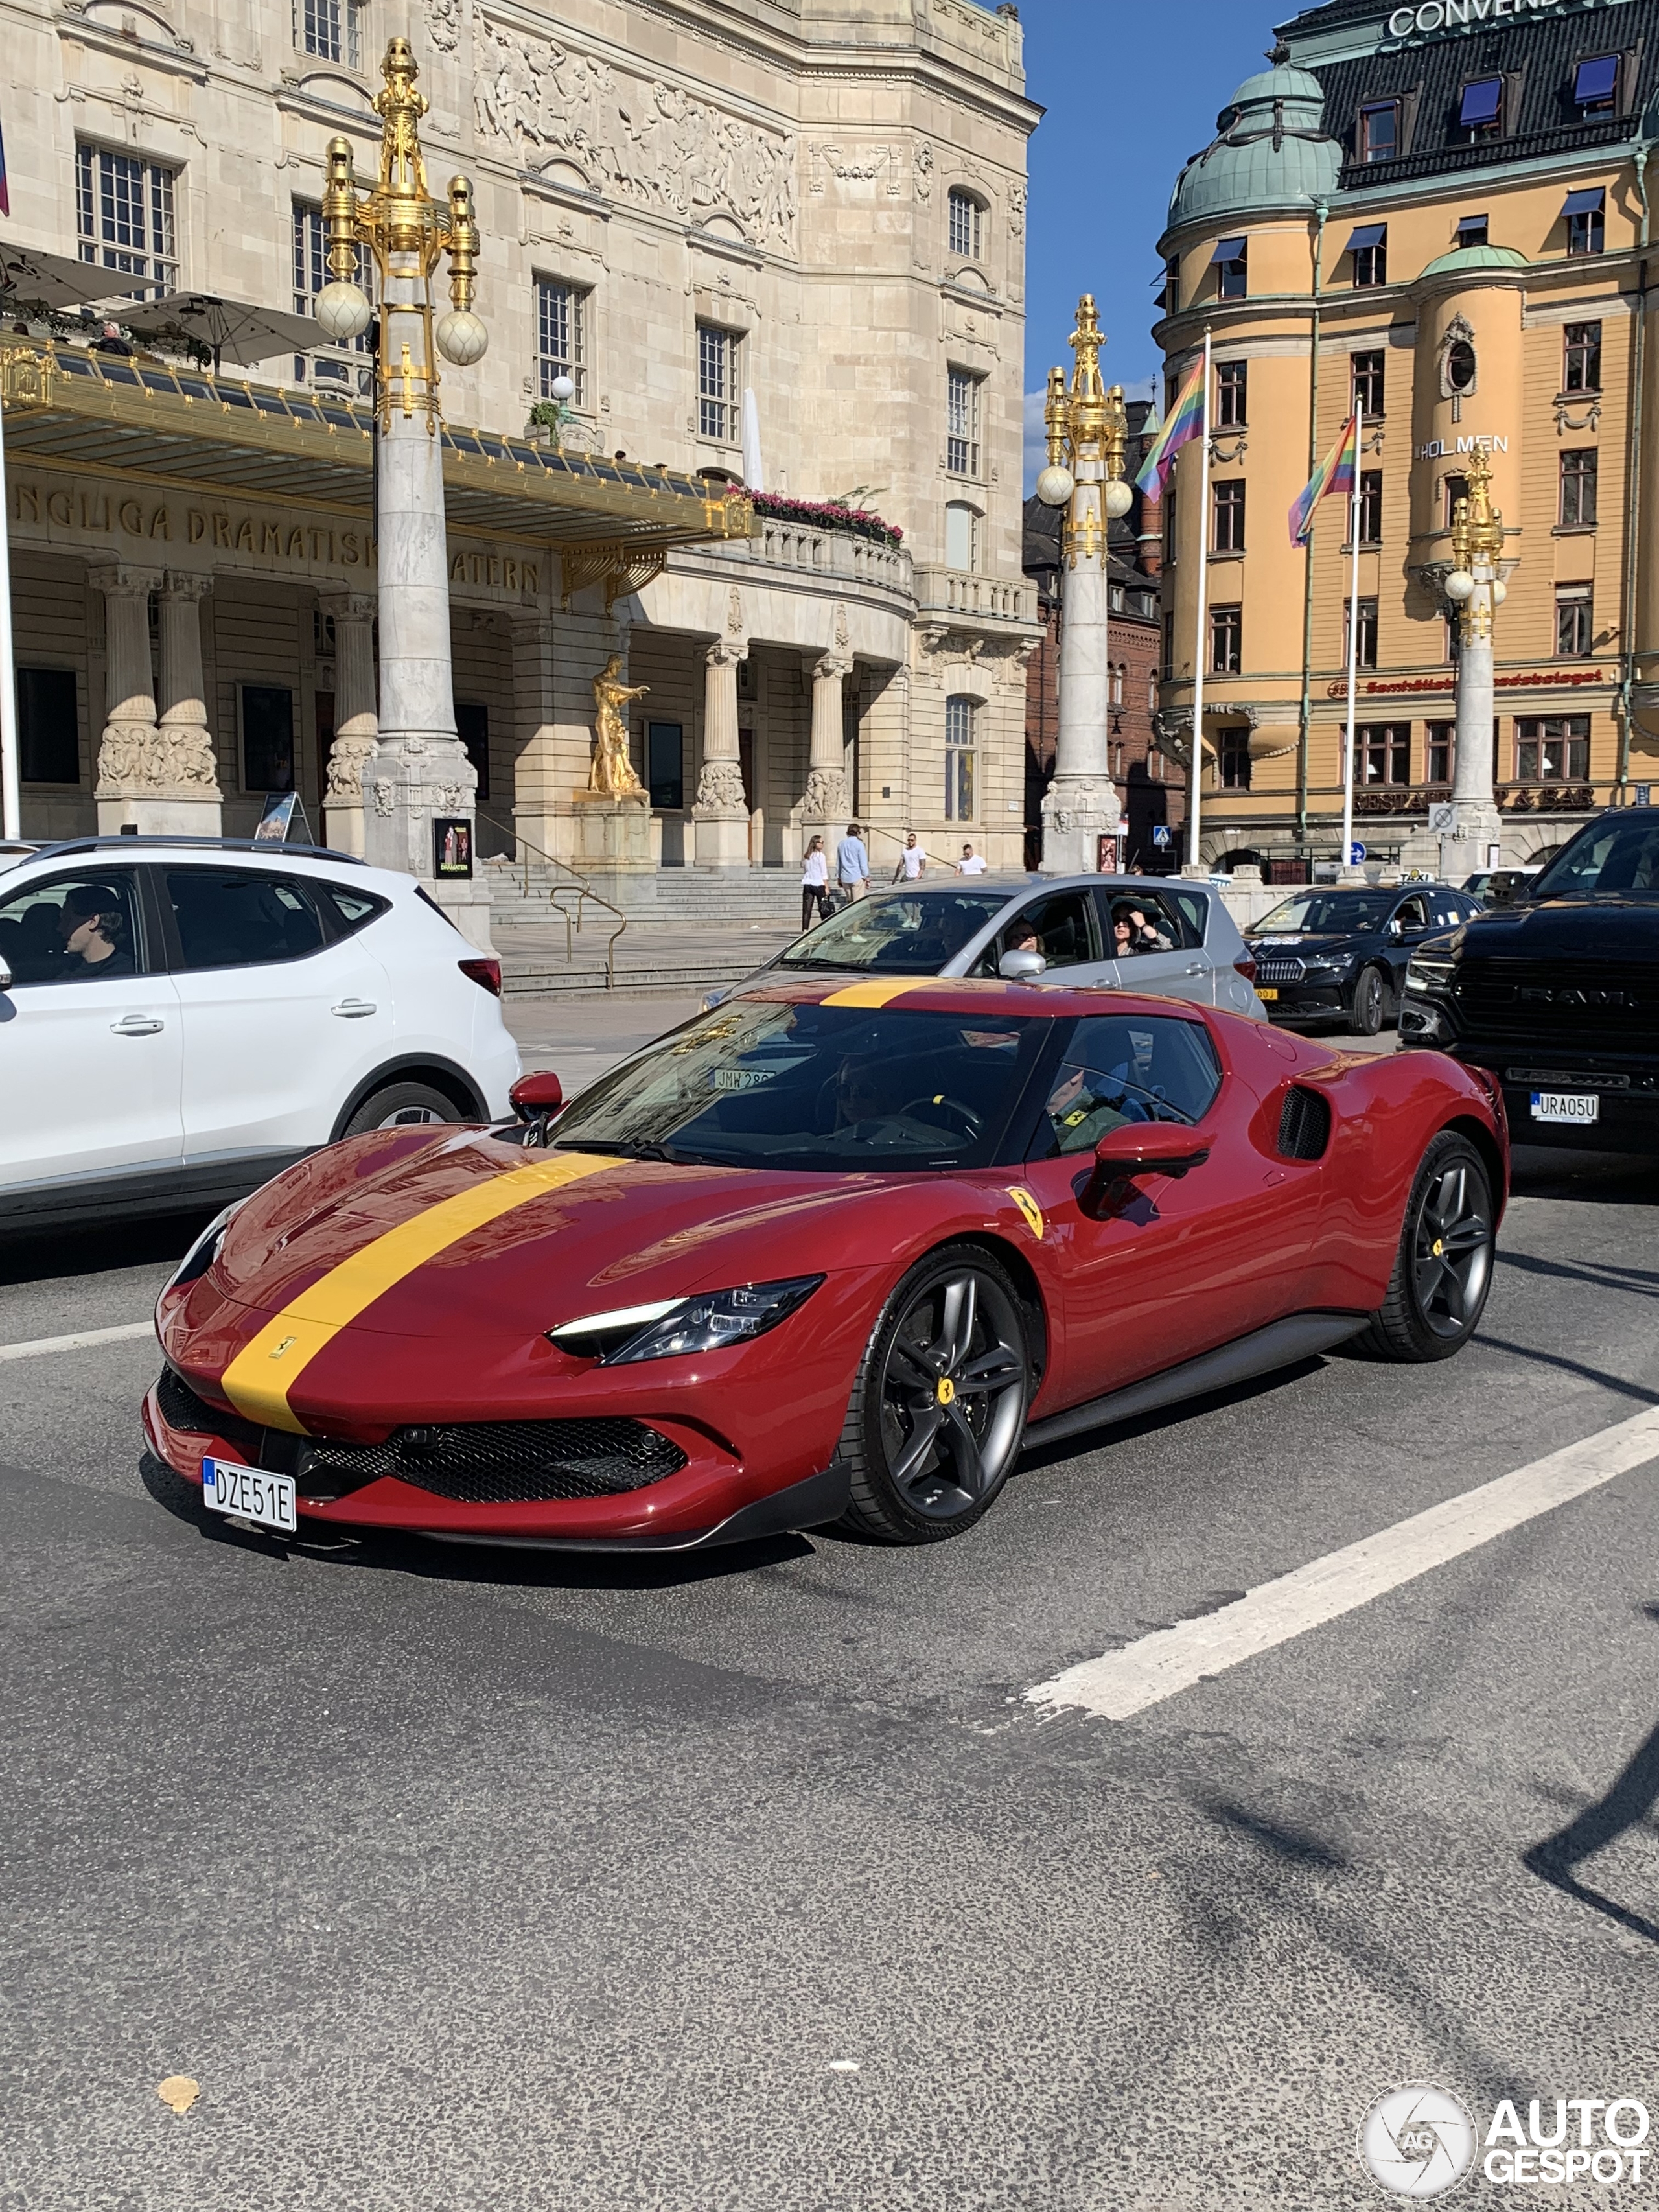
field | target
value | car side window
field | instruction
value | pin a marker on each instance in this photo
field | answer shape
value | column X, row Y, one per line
column 1058, row 926
column 345, row 909
column 1412, row 914
column 1151, row 923
column 1449, row 912
column 233, row 918
column 1193, row 909
column 1127, row 1067
column 73, row 929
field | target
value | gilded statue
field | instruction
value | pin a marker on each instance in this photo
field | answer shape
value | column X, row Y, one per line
column 611, row 771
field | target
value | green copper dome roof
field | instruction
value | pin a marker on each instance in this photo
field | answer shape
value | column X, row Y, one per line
column 1273, row 151
column 1471, row 257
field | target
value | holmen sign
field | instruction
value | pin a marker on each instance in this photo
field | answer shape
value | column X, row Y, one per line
column 1424, row 20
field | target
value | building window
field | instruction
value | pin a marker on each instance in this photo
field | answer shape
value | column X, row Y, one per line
column 1458, row 369
column 1151, row 697
column 1578, row 488
column 124, row 215
column 1226, row 640
column 1457, row 488
column 960, row 522
column 1370, row 247
column 561, row 343
column 311, row 274
column 1555, row 749
column 1472, row 230
column 328, row 28
column 1479, row 109
column 1379, row 130
column 1232, row 394
column 961, row 424
column 718, row 383
column 1172, row 285
column 1118, row 674
column 1233, row 760
column 1581, row 357
column 1593, row 84
column 1227, row 534
column 472, row 728
column 1169, row 526
column 967, row 220
column 48, row 726
column 664, row 764
column 1366, row 385
column 1586, row 221
column 1440, row 753
column 960, row 717
column 267, row 736
column 1232, row 269
column 1371, row 507
column 1575, row 623
column 1367, row 653
column 1166, row 657
column 1382, row 751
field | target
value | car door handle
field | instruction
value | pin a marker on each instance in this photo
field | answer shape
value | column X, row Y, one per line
column 352, row 1010
column 138, row 1025
column 1197, row 969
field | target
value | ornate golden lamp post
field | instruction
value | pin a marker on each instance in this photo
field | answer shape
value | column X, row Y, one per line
column 1088, row 432
column 420, row 787
column 1475, row 589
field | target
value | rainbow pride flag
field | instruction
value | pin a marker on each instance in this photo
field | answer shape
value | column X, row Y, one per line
column 1185, row 422
column 1334, row 473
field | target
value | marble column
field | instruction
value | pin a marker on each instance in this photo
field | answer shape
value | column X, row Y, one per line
column 827, row 804
column 1480, row 826
column 356, row 727
column 1081, row 805
column 720, row 814
column 134, row 787
column 421, row 771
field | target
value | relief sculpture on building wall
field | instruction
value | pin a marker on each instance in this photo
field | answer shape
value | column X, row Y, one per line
column 650, row 144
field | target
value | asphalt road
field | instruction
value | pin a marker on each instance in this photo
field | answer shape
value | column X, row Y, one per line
column 755, row 1884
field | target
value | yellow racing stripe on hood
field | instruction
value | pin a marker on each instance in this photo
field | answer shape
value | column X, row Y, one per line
column 258, row 1380
column 879, row 992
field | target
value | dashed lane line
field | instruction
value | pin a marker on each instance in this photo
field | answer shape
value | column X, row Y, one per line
column 126, row 1332
column 1124, row 1682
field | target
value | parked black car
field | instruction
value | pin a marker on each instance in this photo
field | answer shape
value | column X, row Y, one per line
column 1557, row 995
column 1340, row 955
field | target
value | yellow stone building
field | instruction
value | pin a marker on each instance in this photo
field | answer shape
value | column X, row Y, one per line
column 1442, row 212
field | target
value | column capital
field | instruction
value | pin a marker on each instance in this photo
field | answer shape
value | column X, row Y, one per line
column 119, row 579
column 726, row 652
column 185, row 584
column 348, row 606
column 832, row 666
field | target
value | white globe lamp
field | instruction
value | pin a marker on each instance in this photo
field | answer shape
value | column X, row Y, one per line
column 462, row 339
column 562, row 389
column 1459, row 585
column 1500, row 592
column 1055, row 485
column 1119, row 498
column 342, row 312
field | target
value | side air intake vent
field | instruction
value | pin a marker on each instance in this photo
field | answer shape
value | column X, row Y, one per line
column 1305, row 1124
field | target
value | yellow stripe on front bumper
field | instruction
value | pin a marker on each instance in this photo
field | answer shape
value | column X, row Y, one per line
column 879, row 990
column 258, row 1380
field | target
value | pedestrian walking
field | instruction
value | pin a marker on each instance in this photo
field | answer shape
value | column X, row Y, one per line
column 911, row 861
column 852, row 863
column 814, row 885
column 971, row 863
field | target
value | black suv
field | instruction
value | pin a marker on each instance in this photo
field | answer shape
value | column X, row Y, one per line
column 1339, row 956
column 1558, row 994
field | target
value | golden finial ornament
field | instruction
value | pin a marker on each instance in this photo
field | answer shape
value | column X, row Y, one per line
column 1087, row 430
column 1477, row 543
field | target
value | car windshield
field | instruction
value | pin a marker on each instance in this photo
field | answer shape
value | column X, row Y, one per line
column 818, row 1088
column 904, row 934
column 1610, row 855
column 1324, row 914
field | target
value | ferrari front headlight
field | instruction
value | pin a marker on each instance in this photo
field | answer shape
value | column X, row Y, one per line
column 706, row 1322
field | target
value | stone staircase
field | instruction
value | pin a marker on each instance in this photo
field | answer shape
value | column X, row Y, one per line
column 671, row 898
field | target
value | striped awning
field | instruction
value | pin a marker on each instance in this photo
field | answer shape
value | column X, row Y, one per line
column 99, row 413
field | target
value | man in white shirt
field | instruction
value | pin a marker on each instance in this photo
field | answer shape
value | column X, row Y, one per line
column 971, row 863
column 911, row 861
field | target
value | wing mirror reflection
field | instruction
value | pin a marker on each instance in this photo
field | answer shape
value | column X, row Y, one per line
column 536, row 1098
column 1022, row 967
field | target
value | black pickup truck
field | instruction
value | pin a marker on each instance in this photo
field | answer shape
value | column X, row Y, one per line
column 1557, row 994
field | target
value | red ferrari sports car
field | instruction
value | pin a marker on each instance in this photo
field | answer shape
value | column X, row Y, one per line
column 830, row 1251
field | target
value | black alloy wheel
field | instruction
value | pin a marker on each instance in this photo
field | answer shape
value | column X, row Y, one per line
column 399, row 1106
column 1368, row 999
column 1443, row 1270
column 939, row 1408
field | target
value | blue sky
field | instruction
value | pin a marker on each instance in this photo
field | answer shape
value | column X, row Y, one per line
column 1131, row 87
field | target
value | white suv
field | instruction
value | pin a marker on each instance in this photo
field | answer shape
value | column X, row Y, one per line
column 181, row 1019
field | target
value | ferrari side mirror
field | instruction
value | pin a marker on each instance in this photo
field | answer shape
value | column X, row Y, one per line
column 1130, row 1151
column 536, row 1098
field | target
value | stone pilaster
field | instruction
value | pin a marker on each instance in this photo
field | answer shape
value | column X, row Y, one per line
column 158, row 777
column 720, row 814
column 355, row 724
column 826, row 804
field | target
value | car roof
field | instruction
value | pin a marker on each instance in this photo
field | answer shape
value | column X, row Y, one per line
column 1011, row 886
column 964, row 994
column 193, row 849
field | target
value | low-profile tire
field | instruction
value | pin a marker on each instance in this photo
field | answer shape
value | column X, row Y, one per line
column 1369, row 997
column 938, row 1411
column 400, row 1104
column 1443, row 1269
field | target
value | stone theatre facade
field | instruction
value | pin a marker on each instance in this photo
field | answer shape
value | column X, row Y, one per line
column 771, row 240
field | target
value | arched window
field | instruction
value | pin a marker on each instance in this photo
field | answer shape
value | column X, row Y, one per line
column 960, row 716
column 967, row 225
column 1151, row 695
column 1118, row 675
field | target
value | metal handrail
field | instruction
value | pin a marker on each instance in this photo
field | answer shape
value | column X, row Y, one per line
column 558, row 893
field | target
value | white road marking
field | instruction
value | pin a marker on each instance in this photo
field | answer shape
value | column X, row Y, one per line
column 1145, row 1673
column 127, row 1331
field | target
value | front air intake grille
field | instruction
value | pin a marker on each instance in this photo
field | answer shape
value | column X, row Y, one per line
column 501, row 1462
column 1280, row 971
column 1305, row 1124
column 181, row 1408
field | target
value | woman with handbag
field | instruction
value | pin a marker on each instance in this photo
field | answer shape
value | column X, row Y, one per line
column 815, row 884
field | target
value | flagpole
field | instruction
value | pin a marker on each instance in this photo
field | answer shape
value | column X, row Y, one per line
column 1354, row 642
column 1195, row 777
